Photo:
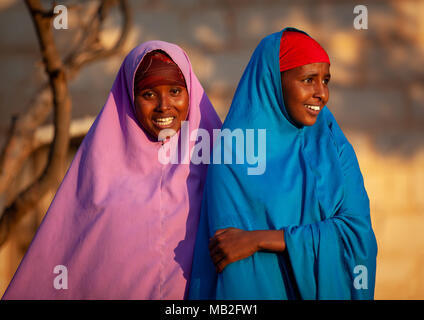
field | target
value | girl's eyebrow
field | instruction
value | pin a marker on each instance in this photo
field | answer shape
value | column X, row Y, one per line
column 315, row 75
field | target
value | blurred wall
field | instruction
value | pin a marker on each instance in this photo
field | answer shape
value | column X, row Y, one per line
column 376, row 94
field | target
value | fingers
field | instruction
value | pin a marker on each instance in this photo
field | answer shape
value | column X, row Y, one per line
column 220, row 231
column 215, row 239
column 212, row 243
column 217, row 255
column 219, row 259
column 217, row 250
column 221, row 265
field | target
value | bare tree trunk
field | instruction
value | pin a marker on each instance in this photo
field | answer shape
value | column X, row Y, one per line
column 28, row 198
column 54, row 93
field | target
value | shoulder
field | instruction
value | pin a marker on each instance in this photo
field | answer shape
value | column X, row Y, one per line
column 345, row 149
column 336, row 133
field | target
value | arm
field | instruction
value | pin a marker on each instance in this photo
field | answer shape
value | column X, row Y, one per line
column 231, row 244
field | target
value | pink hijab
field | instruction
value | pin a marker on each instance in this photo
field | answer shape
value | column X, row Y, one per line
column 122, row 223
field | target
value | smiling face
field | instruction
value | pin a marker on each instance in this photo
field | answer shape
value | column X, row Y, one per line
column 161, row 107
column 305, row 91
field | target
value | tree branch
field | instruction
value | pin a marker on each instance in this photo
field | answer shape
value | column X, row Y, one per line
column 89, row 49
column 20, row 137
column 20, row 141
column 28, row 198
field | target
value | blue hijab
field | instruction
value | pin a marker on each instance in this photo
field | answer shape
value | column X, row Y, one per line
column 312, row 189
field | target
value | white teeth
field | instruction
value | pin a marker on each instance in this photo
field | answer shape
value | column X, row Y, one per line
column 316, row 108
column 164, row 121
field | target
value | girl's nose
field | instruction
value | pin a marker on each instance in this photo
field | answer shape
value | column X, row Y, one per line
column 164, row 102
column 320, row 92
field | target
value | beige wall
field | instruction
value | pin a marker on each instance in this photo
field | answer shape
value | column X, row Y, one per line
column 377, row 96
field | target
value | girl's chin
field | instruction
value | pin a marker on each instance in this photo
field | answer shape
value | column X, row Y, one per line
column 165, row 133
column 310, row 122
column 307, row 121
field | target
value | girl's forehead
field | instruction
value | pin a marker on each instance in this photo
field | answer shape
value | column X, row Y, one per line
column 318, row 67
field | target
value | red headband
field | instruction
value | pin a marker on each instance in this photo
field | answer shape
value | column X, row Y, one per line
column 298, row 49
column 156, row 69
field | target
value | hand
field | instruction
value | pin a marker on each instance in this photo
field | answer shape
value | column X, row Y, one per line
column 230, row 245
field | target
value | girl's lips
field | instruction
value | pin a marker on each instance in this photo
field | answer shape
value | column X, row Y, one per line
column 310, row 110
column 164, row 122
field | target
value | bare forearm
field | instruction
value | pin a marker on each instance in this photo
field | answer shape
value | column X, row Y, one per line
column 232, row 244
column 270, row 240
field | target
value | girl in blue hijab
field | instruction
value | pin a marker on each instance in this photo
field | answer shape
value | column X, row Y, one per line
column 300, row 228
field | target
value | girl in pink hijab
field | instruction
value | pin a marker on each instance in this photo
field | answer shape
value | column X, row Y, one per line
column 123, row 223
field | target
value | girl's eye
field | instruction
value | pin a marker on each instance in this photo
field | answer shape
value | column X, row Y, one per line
column 175, row 91
column 326, row 81
column 148, row 94
column 307, row 80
